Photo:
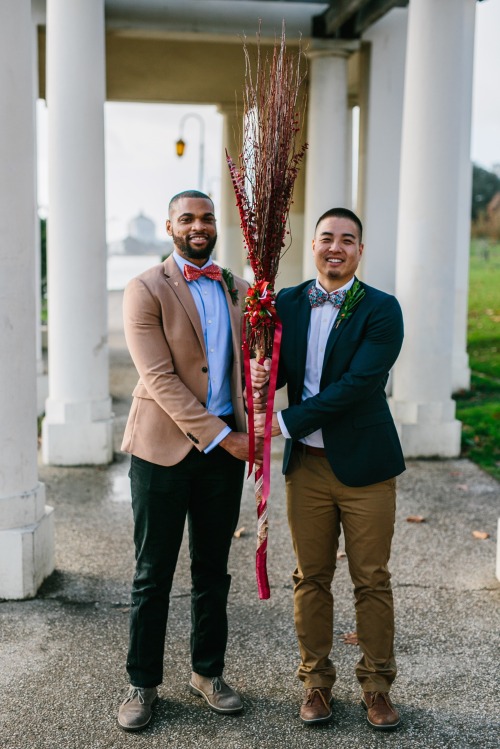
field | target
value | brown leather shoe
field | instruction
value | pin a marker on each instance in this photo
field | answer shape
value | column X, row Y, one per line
column 216, row 692
column 316, row 706
column 135, row 711
column 381, row 713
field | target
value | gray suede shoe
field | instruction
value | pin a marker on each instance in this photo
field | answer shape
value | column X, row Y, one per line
column 216, row 692
column 135, row 711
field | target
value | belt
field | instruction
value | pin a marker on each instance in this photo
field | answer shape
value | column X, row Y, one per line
column 319, row 452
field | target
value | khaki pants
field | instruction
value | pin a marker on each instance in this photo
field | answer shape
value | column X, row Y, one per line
column 318, row 505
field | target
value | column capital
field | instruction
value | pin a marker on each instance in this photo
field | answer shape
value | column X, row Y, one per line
column 332, row 48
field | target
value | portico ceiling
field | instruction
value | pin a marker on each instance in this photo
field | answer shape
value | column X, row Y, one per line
column 190, row 50
column 334, row 19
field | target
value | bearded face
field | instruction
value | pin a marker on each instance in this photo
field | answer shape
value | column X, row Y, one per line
column 193, row 229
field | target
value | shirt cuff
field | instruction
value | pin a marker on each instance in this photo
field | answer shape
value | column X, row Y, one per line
column 217, row 439
column 283, row 428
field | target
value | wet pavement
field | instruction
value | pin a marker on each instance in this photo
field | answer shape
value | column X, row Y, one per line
column 62, row 654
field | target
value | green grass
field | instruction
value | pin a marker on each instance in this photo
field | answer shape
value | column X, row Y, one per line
column 479, row 408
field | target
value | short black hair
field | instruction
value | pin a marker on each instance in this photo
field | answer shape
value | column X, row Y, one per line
column 187, row 194
column 342, row 213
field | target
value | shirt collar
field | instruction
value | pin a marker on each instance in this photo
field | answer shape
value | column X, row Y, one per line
column 346, row 286
column 181, row 262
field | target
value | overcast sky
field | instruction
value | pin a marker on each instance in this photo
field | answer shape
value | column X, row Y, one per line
column 143, row 171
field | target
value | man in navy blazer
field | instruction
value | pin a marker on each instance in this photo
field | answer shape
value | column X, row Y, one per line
column 342, row 454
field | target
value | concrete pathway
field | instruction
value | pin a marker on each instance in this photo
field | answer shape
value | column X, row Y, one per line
column 62, row 654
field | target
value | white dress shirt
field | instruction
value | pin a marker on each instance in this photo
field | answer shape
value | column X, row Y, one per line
column 320, row 326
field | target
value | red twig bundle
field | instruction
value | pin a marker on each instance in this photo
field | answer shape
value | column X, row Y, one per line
column 263, row 183
column 268, row 166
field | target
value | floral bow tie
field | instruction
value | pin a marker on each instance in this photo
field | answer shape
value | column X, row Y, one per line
column 211, row 271
column 317, row 297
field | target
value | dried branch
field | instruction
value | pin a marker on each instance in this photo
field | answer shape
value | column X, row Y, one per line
column 267, row 168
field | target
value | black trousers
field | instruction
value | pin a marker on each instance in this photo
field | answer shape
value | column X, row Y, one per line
column 207, row 490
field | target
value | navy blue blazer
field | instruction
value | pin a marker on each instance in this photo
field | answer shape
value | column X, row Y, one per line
column 361, row 441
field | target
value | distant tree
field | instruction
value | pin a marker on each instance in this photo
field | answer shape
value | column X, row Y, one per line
column 485, row 185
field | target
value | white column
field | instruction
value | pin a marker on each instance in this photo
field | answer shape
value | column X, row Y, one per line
column 383, row 151
column 26, row 524
column 461, row 369
column 78, row 423
column 426, row 262
column 42, row 379
column 230, row 250
column 328, row 158
column 291, row 263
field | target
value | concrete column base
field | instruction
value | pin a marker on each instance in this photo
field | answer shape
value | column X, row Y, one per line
column 27, row 552
column 77, row 444
column 77, row 433
column 427, row 430
column 22, row 509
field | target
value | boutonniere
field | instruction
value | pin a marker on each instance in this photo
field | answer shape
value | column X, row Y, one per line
column 229, row 279
column 352, row 298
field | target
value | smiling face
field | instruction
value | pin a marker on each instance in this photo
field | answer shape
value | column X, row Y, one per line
column 191, row 225
column 337, row 251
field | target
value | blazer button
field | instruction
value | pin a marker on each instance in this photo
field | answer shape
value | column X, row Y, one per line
column 204, row 369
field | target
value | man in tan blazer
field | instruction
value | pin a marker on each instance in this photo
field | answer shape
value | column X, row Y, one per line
column 187, row 436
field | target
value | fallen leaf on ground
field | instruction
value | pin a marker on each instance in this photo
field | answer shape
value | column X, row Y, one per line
column 480, row 535
column 462, row 487
column 415, row 519
column 350, row 638
column 240, row 532
column 341, row 554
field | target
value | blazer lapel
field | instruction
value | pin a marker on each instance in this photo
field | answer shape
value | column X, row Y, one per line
column 179, row 286
column 336, row 332
column 234, row 315
column 303, row 318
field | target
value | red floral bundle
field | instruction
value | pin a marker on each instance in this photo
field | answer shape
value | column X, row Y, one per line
column 263, row 183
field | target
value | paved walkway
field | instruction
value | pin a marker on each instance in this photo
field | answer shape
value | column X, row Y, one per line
column 62, row 654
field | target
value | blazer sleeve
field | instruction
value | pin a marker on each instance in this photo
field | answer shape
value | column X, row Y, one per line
column 367, row 371
column 152, row 357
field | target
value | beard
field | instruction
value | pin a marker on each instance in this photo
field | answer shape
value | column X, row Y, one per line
column 184, row 247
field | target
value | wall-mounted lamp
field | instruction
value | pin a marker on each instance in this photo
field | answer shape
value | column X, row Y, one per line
column 180, row 145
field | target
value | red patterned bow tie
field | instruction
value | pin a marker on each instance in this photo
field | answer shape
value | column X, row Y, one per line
column 191, row 273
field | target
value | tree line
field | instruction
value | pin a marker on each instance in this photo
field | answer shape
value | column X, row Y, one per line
column 485, row 204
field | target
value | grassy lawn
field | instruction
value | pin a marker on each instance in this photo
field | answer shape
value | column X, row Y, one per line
column 479, row 408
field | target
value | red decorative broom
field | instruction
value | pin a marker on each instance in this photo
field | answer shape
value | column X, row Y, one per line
column 263, row 183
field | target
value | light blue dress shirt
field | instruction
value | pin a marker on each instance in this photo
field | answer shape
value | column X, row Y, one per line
column 212, row 308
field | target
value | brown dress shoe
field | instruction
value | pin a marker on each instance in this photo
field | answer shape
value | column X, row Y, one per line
column 381, row 713
column 135, row 711
column 219, row 695
column 316, row 706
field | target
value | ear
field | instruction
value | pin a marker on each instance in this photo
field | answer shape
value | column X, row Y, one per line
column 361, row 248
column 168, row 225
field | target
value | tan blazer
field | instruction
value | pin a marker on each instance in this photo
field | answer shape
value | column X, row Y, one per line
column 165, row 339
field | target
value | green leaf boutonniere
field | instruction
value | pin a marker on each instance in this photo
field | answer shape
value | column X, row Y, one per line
column 352, row 298
column 229, row 279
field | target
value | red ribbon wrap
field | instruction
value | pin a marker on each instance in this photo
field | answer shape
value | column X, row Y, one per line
column 263, row 473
